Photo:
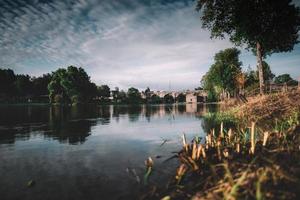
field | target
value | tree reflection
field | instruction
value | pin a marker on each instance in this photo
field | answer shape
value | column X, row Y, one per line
column 73, row 125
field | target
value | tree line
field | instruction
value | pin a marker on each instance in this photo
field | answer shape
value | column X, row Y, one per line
column 225, row 77
column 71, row 85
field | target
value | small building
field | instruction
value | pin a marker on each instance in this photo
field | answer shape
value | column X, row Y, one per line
column 196, row 97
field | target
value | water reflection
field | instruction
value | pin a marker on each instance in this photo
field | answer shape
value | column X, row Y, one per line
column 73, row 124
column 82, row 152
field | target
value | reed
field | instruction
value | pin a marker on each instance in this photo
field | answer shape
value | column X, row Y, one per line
column 235, row 164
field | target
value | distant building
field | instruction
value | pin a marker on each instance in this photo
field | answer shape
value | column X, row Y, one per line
column 198, row 96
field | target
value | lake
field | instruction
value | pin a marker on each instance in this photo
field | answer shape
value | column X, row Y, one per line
column 90, row 152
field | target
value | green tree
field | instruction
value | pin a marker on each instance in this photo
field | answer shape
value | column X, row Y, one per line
column 168, row 98
column 7, row 79
column 222, row 74
column 264, row 26
column 104, row 91
column 40, row 84
column 155, row 99
column 23, row 85
column 285, row 78
column 134, row 96
column 181, row 98
column 72, row 85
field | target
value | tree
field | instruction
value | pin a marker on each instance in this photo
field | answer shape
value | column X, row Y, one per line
column 181, row 97
column 7, row 79
column 285, row 78
column 222, row 74
column 134, row 96
column 72, row 85
column 155, row 99
column 23, row 85
column 40, row 84
column 103, row 91
column 168, row 98
column 265, row 26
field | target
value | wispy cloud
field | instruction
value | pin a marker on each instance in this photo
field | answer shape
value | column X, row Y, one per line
column 119, row 42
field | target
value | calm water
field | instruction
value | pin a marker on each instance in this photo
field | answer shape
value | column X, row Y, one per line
column 89, row 152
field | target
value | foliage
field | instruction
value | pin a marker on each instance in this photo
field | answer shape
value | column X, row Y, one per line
column 7, row 79
column 264, row 26
column 252, row 77
column 168, row 98
column 22, row 86
column 103, row 91
column 181, row 98
column 40, row 84
column 155, row 99
column 222, row 74
column 134, row 96
column 285, row 78
column 71, row 82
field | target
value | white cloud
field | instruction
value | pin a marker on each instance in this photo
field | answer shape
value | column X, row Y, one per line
column 118, row 44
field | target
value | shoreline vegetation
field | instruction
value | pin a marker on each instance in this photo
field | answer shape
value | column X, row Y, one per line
column 259, row 158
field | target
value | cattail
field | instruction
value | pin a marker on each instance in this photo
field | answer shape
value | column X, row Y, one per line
column 218, row 149
column 229, row 135
column 180, row 172
column 238, row 147
column 226, row 153
column 194, row 151
column 149, row 162
column 203, row 153
column 266, row 135
column 221, row 131
column 199, row 150
column 185, row 145
column 252, row 138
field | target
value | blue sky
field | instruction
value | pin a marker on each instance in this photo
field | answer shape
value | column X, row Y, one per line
column 123, row 43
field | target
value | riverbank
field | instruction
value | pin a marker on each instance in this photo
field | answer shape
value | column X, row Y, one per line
column 258, row 159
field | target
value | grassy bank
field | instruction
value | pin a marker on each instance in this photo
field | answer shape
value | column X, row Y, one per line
column 257, row 159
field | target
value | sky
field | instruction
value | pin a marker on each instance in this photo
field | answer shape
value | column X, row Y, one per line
column 124, row 43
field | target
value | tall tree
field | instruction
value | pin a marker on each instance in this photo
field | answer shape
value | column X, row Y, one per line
column 104, row 91
column 7, row 79
column 134, row 96
column 264, row 26
column 40, row 84
column 222, row 74
column 71, row 85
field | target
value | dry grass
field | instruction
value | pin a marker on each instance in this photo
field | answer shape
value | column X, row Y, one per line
column 270, row 107
column 261, row 161
column 238, row 165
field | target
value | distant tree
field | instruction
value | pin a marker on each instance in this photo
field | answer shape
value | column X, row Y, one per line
column 252, row 76
column 267, row 73
column 122, row 96
column 23, row 85
column 222, row 74
column 265, row 26
column 103, row 91
column 147, row 93
column 7, row 79
column 181, row 98
column 155, row 99
column 134, row 96
column 285, row 78
column 72, row 85
column 40, row 84
column 168, row 98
